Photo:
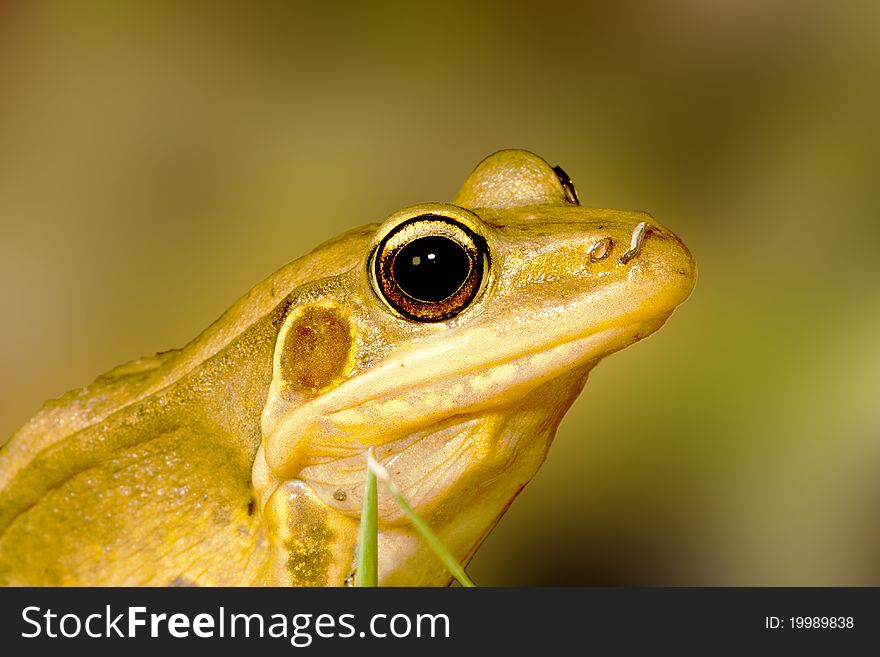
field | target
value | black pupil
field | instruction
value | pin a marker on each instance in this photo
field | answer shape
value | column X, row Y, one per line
column 431, row 268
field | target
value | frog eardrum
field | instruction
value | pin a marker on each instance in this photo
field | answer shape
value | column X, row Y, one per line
column 449, row 339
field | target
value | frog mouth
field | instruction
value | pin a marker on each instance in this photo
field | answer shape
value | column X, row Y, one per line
column 395, row 400
column 468, row 434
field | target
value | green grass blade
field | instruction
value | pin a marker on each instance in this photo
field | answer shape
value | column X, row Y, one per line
column 368, row 544
column 434, row 542
column 376, row 469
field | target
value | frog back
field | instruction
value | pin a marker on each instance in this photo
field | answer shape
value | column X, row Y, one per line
column 151, row 463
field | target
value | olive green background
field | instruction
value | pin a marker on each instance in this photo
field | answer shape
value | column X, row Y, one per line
column 154, row 165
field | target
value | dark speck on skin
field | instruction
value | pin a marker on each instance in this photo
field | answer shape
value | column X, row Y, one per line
column 181, row 581
column 252, row 506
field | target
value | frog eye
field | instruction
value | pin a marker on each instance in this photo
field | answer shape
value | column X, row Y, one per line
column 429, row 268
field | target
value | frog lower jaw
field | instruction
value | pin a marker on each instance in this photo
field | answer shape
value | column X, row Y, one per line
column 327, row 430
column 460, row 476
column 428, row 465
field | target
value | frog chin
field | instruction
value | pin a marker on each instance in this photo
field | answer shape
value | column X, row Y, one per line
column 364, row 413
column 460, row 475
column 454, row 457
column 429, row 438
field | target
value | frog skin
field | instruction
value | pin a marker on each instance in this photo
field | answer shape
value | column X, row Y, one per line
column 451, row 339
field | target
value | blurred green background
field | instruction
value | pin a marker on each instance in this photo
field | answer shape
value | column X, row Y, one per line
column 155, row 164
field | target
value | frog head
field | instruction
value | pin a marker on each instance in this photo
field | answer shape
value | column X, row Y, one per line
column 452, row 348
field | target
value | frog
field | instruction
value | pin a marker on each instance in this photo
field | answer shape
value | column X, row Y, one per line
column 447, row 341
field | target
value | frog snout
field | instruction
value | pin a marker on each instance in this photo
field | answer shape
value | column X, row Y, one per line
column 664, row 255
column 651, row 241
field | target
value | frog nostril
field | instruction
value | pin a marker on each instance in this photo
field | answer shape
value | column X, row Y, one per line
column 635, row 243
column 600, row 249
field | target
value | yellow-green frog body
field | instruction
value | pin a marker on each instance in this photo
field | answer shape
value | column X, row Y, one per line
column 451, row 338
